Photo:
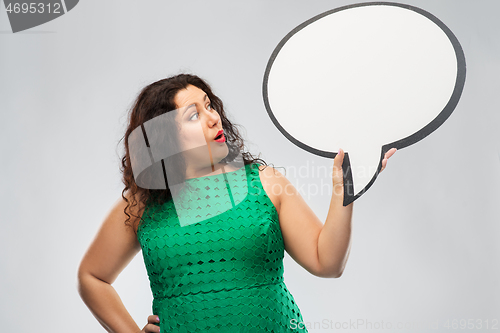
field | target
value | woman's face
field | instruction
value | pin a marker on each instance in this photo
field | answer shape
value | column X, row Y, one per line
column 200, row 124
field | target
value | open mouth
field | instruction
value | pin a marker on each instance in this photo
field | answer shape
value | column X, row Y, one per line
column 220, row 138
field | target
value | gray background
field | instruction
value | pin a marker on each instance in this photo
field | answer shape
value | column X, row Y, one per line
column 424, row 236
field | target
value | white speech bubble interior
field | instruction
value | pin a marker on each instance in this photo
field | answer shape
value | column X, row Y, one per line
column 359, row 78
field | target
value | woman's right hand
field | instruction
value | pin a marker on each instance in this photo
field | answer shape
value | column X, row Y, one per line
column 150, row 326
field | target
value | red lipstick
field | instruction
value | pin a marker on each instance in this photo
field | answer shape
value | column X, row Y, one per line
column 222, row 138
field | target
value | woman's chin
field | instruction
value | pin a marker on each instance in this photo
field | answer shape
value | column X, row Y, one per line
column 220, row 153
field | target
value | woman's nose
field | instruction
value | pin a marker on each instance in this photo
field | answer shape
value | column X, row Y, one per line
column 213, row 118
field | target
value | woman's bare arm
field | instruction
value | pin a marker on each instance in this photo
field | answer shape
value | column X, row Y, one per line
column 334, row 240
column 114, row 246
column 322, row 249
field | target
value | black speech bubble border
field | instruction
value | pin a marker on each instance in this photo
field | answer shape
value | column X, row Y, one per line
column 349, row 196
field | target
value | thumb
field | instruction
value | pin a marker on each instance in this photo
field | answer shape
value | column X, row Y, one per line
column 338, row 160
column 337, row 168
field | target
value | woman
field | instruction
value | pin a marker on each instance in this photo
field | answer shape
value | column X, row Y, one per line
column 214, row 265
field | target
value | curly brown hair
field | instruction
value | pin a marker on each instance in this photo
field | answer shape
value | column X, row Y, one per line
column 157, row 99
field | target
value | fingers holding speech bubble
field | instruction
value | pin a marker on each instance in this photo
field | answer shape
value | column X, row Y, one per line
column 366, row 77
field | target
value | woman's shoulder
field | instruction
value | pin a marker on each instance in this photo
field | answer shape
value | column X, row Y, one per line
column 273, row 182
column 268, row 171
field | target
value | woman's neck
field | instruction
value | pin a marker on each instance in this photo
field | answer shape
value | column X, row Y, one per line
column 209, row 170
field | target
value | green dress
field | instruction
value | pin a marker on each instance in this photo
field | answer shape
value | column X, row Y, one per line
column 217, row 265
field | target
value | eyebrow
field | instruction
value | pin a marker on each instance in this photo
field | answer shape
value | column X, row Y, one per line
column 190, row 106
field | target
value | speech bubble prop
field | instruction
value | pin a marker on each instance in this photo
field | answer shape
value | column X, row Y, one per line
column 161, row 148
column 366, row 78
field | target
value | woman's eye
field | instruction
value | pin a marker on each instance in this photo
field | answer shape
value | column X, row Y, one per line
column 193, row 116
column 209, row 107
